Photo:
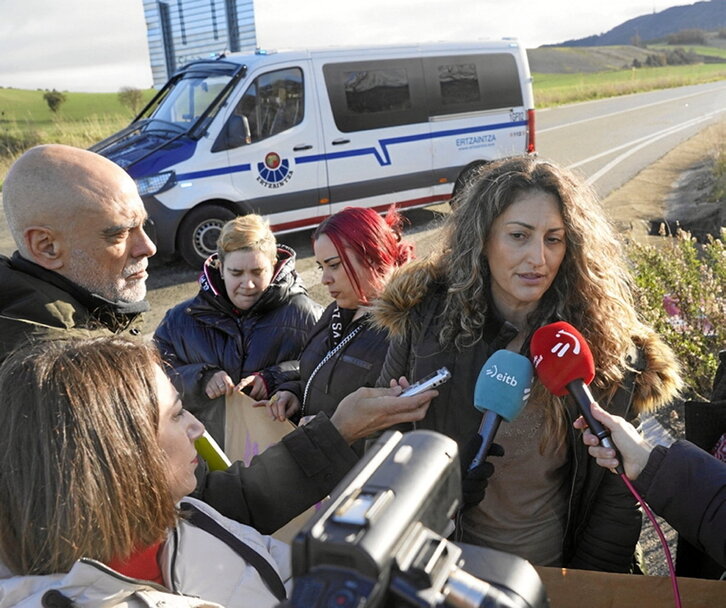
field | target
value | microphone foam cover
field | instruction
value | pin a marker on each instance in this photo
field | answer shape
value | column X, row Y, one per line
column 560, row 355
column 503, row 384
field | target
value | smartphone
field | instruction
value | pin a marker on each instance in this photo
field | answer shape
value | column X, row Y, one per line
column 431, row 381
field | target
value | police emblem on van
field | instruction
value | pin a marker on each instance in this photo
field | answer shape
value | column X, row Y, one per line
column 274, row 171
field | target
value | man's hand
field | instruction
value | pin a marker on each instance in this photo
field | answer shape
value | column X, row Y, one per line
column 368, row 410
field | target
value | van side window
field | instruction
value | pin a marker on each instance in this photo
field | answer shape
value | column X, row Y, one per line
column 273, row 103
column 458, row 83
column 374, row 94
column 472, row 83
column 377, row 91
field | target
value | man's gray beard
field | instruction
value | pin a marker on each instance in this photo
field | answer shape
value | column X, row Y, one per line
column 82, row 271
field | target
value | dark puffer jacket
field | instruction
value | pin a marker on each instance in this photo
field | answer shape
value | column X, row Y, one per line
column 603, row 523
column 356, row 364
column 207, row 333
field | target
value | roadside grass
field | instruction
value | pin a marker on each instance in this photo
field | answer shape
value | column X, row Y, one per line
column 558, row 89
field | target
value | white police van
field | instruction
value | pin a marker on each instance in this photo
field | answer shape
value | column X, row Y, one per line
column 297, row 136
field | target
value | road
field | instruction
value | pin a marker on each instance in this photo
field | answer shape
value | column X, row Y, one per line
column 609, row 141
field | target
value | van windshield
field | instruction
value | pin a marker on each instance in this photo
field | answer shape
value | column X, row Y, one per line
column 199, row 90
column 188, row 99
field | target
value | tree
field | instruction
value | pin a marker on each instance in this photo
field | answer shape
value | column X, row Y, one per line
column 54, row 99
column 132, row 98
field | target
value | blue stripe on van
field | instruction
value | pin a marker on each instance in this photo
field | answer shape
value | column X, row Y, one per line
column 211, row 172
column 386, row 159
column 383, row 159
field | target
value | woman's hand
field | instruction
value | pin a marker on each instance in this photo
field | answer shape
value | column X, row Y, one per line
column 282, row 405
column 634, row 449
column 257, row 388
column 368, row 410
column 219, row 384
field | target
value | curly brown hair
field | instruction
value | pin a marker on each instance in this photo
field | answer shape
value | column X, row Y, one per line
column 592, row 289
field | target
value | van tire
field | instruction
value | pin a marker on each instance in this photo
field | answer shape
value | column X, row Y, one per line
column 463, row 180
column 199, row 231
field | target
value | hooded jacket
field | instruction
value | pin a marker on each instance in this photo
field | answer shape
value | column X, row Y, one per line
column 194, row 564
column 604, row 522
column 36, row 303
column 207, row 333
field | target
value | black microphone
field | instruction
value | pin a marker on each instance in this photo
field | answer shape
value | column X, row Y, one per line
column 501, row 392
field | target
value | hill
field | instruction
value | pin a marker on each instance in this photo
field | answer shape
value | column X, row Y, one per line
column 708, row 16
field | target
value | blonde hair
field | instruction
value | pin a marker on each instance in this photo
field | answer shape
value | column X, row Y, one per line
column 592, row 290
column 83, row 472
column 251, row 232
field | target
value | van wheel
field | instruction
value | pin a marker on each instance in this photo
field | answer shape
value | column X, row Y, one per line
column 199, row 232
column 463, row 181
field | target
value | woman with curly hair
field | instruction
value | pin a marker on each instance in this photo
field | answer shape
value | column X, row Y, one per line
column 356, row 250
column 527, row 245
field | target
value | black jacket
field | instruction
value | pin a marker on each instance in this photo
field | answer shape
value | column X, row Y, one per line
column 603, row 519
column 356, row 364
column 283, row 481
column 687, row 487
column 36, row 303
column 207, row 333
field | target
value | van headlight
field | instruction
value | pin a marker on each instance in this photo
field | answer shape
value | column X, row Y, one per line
column 155, row 183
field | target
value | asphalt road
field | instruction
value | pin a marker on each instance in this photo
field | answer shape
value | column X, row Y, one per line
column 609, row 141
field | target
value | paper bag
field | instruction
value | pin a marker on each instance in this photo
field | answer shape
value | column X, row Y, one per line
column 249, row 431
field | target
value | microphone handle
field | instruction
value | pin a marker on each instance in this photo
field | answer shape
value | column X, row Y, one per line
column 582, row 395
column 487, row 429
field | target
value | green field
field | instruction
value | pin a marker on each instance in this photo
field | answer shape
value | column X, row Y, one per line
column 558, row 89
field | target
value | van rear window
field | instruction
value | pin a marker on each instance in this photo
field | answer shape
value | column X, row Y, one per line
column 387, row 93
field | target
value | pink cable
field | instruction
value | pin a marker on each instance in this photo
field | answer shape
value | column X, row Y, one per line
column 661, row 536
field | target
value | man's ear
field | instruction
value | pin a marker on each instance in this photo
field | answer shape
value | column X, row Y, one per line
column 44, row 247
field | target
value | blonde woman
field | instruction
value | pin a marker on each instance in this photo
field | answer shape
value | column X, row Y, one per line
column 245, row 328
column 527, row 245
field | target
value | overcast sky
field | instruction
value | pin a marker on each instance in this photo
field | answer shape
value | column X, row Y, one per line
column 100, row 45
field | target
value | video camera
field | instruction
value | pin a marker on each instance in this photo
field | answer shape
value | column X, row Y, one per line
column 378, row 540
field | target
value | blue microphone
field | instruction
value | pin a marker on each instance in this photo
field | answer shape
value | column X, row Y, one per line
column 501, row 392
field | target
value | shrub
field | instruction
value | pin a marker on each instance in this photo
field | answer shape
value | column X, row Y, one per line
column 14, row 144
column 680, row 290
column 132, row 98
column 54, row 99
column 692, row 36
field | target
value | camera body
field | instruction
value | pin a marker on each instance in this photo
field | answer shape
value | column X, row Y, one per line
column 380, row 539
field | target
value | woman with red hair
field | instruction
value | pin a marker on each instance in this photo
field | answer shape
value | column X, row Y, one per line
column 356, row 250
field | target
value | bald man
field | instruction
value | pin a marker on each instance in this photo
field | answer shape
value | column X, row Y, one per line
column 82, row 253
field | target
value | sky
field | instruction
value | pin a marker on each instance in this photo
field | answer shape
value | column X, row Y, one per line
column 100, row 45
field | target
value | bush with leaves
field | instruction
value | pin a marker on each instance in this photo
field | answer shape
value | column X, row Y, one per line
column 681, row 292
column 54, row 99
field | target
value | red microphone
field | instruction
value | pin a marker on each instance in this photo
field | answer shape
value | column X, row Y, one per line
column 563, row 363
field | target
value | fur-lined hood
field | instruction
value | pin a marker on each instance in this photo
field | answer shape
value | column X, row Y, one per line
column 658, row 379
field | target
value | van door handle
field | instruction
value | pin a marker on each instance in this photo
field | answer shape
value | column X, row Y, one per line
column 337, row 142
column 300, row 147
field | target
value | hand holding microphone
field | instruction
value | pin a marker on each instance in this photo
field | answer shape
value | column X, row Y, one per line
column 563, row 362
column 501, row 392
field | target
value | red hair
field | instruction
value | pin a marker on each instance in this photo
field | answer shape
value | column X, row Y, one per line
column 375, row 241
